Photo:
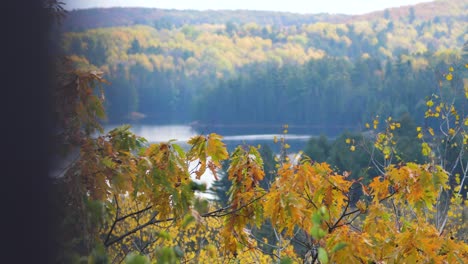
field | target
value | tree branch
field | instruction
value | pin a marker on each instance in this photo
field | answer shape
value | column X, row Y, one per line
column 215, row 213
column 115, row 221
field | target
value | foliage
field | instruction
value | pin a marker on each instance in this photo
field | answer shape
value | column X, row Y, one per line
column 126, row 200
column 141, row 204
column 174, row 69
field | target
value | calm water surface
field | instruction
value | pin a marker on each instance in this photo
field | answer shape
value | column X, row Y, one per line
column 182, row 133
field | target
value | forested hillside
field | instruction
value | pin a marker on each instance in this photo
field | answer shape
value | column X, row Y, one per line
column 393, row 192
column 264, row 67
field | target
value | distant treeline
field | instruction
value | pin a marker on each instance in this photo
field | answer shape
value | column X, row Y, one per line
column 326, row 92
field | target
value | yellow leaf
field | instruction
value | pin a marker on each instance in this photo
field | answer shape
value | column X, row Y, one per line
column 201, row 170
column 379, row 188
column 361, row 206
column 426, row 150
column 348, row 141
column 352, row 148
column 418, row 129
column 451, row 69
column 452, row 110
column 216, row 149
column 451, row 132
column 420, row 135
column 430, row 103
column 431, row 131
column 367, row 125
column 449, row 77
column 211, row 251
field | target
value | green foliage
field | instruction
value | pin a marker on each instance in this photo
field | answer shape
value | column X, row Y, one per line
column 135, row 258
column 168, row 255
column 338, row 246
column 318, row 149
column 322, row 256
column 286, row 260
column 98, row 255
column 181, row 69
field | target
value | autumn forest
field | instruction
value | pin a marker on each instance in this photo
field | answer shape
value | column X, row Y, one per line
column 383, row 96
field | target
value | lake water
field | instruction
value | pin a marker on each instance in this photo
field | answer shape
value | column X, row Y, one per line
column 182, row 133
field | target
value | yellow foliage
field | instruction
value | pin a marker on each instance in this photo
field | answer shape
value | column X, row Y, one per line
column 449, row 77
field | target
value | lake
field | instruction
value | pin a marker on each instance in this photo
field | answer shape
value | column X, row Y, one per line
column 232, row 136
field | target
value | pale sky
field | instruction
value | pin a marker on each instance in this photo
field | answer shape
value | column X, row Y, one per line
column 295, row 6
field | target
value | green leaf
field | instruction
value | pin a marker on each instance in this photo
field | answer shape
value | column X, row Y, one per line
column 107, row 161
column 321, row 233
column 166, row 255
column 286, row 260
column 187, row 220
column 179, row 150
column 339, row 246
column 197, row 187
column 322, row 256
column 315, row 232
column 164, row 234
column 135, row 258
column 316, row 219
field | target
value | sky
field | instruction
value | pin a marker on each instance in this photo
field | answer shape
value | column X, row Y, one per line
column 296, row 6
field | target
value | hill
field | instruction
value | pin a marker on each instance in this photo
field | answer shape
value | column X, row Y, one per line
column 423, row 11
column 79, row 20
column 174, row 66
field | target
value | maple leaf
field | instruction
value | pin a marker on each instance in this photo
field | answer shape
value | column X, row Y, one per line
column 216, row 149
column 379, row 187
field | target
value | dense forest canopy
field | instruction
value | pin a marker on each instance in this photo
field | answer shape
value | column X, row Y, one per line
column 171, row 66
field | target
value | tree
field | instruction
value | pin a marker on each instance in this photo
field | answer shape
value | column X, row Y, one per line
column 387, row 14
column 231, row 28
column 136, row 196
column 411, row 15
column 135, row 47
column 124, row 199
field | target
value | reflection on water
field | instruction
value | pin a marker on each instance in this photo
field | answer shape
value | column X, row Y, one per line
column 182, row 133
column 264, row 137
column 164, row 133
